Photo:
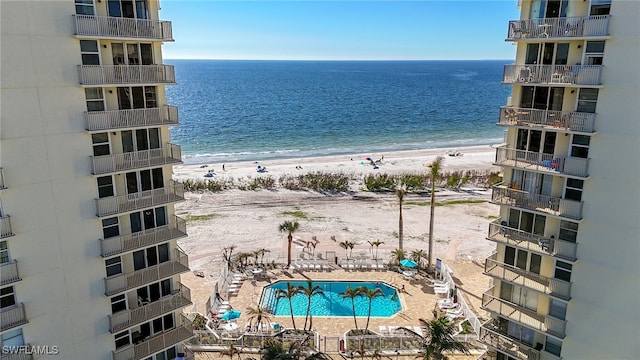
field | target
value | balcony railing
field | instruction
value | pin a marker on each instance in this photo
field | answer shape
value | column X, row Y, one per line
column 514, row 312
column 128, row 318
column 531, row 160
column 2, row 183
column 107, row 27
column 506, row 344
column 168, row 154
column 565, row 27
column 13, row 316
column 132, row 118
column 9, row 272
column 503, row 195
column 565, row 120
column 524, row 240
column 123, row 282
column 112, row 205
column 533, row 281
column 553, row 74
column 175, row 229
column 23, row 352
column 126, row 74
column 5, row 227
column 156, row 343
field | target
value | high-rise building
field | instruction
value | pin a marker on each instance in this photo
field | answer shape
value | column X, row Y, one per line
column 90, row 263
column 564, row 277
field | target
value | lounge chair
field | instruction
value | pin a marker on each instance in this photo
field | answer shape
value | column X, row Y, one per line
column 383, row 330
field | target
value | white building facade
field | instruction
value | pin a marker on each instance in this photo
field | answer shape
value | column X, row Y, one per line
column 564, row 278
column 90, row 263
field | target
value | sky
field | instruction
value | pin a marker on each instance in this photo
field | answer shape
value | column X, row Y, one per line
column 339, row 30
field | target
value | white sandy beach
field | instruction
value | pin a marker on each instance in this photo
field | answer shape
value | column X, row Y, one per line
column 250, row 219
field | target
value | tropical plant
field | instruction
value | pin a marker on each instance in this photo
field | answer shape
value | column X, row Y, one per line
column 417, row 256
column 352, row 293
column 226, row 253
column 288, row 294
column 260, row 315
column 370, row 294
column 310, row 291
column 435, row 175
column 347, row 245
column 397, row 255
column 289, row 227
column 262, row 252
column 400, row 193
column 440, row 339
column 377, row 244
column 231, row 350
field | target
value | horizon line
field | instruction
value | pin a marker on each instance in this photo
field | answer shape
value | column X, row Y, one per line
column 219, row 59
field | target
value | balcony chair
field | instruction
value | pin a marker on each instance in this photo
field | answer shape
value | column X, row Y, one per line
column 519, row 31
column 573, row 29
column 570, row 76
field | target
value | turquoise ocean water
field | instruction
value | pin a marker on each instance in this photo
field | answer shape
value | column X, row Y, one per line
column 255, row 110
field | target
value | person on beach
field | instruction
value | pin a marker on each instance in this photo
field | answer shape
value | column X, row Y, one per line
column 223, row 167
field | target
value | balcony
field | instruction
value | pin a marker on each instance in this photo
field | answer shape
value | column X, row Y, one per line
column 543, row 323
column 553, row 75
column 548, row 163
column 168, row 154
column 128, row 318
column 127, row 281
column 112, row 205
column 119, row 28
column 112, row 75
column 9, row 273
column 576, row 27
column 542, row 284
column 531, row 242
column 561, row 120
column 5, row 227
column 489, row 335
column 131, row 118
column 503, row 195
column 2, row 183
column 156, row 343
column 175, row 229
column 13, row 316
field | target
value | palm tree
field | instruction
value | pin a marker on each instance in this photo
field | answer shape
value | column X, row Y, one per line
column 397, row 255
column 346, row 245
column 400, row 193
column 377, row 243
column 288, row 294
column 417, row 256
column 351, row 245
column 289, row 227
column 434, row 173
column 226, row 253
column 309, row 292
column 352, row 293
column 440, row 339
column 262, row 252
column 260, row 314
column 370, row 294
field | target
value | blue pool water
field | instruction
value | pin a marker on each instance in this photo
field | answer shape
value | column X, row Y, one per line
column 331, row 302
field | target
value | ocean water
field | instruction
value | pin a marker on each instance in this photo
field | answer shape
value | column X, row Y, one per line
column 255, row 110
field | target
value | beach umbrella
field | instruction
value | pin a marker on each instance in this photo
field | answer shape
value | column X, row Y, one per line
column 408, row 263
column 231, row 315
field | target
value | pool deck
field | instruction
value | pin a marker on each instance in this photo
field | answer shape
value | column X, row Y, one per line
column 417, row 302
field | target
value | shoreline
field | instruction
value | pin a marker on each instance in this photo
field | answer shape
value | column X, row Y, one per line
column 479, row 157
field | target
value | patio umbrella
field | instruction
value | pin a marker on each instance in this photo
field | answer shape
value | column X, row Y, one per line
column 231, row 315
column 408, row 263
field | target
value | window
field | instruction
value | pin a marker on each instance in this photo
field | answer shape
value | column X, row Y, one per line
column 105, row 186
column 594, row 53
column 553, row 346
column 600, row 7
column 128, row 8
column 558, row 309
column 13, row 338
column 4, row 252
column 527, row 222
column 101, row 144
column 568, row 231
column 118, row 303
column 139, row 140
column 122, row 339
column 542, row 97
column 148, row 219
column 150, row 256
column 110, row 227
column 144, row 180
column 137, row 97
column 573, row 191
column 84, row 7
column 89, row 52
column 114, row 266
column 155, row 291
column 95, row 99
column 580, row 146
column 563, row 271
column 587, row 99
column 168, row 354
column 534, row 263
column 132, row 54
column 7, row 297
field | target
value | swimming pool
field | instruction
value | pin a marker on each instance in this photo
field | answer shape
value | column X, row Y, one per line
column 331, row 302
